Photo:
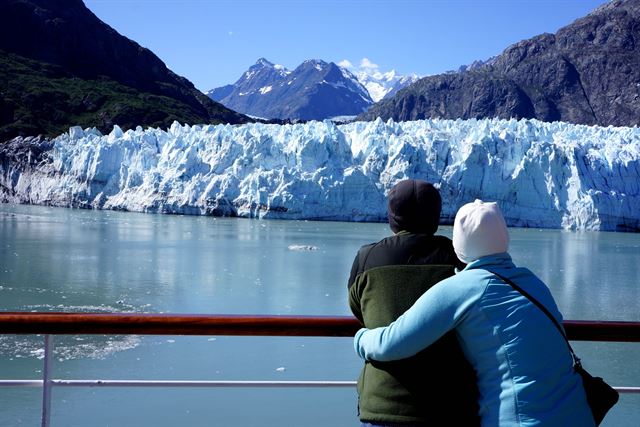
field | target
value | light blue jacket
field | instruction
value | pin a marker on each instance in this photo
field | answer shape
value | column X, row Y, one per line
column 525, row 371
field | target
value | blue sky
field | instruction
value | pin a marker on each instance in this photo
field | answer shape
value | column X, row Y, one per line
column 212, row 42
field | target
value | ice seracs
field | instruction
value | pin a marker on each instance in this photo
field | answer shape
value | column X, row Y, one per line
column 552, row 175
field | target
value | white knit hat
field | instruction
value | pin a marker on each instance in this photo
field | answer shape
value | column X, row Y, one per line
column 479, row 230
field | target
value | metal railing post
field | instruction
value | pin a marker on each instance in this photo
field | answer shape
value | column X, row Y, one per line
column 46, row 381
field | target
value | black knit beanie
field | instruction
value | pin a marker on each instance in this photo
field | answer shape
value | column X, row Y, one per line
column 414, row 206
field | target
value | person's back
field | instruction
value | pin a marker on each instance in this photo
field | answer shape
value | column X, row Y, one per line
column 386, row 279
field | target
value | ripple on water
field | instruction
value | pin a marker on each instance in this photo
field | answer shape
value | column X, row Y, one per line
column 68, row 347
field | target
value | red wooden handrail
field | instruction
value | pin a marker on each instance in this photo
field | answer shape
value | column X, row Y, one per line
column 174, row 324
column 200, row 324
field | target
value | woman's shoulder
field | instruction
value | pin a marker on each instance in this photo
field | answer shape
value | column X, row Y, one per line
column 474, row 274
column 465, row 284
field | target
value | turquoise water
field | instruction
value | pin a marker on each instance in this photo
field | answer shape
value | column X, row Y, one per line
column 71, row 260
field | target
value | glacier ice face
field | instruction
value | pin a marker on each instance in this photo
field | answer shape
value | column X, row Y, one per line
column 551, row 175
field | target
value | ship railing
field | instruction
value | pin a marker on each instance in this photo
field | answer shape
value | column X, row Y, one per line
column 51, row 324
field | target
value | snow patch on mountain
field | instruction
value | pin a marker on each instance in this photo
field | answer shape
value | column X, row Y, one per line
column 380, row 85
column 552, row 175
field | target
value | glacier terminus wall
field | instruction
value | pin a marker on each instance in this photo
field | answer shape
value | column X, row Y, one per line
column 548, row 175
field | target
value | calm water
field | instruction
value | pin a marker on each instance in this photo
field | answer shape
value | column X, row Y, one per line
column 70, row 260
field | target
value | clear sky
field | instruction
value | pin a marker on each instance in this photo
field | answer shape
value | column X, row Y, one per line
column 212, row 42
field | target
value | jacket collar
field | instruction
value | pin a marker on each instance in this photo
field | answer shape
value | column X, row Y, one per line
column 501, row 260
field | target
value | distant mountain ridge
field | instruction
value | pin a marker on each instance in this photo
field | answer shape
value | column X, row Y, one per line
column 252, row 93
column 586, row 73
column 61, row 66
column 315, row 90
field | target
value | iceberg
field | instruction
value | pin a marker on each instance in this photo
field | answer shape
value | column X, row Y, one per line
column 545, row 175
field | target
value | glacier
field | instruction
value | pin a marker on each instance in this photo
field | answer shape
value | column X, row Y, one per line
column 544, row 175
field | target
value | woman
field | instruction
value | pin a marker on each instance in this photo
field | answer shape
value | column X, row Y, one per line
column 525, row 371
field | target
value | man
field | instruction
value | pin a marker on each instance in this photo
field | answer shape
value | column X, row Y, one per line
column 387, row 277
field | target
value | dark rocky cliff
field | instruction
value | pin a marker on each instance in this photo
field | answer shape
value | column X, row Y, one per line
column 587, row 73
column 61, row 66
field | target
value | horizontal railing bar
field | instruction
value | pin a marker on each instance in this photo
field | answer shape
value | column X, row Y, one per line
column 635, row 390
column 163, row 383
column 171, row 383
column 212, row 384
column 20, row 383
column 165, row 324
column 611, row 331
column 199, row 324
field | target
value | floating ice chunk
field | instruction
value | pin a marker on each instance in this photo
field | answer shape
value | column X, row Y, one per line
column 302, row 248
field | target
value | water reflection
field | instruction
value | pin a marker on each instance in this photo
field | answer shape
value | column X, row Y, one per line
column 221, row 265
column 593, row 275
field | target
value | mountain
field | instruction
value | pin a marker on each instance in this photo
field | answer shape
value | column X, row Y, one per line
column 552, row 175
column 588, row 72
column 384, row 85
column 61, row 66
column 260, row 75
column 315, row 90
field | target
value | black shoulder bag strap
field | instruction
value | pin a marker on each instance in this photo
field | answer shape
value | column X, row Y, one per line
column 601, row 397
column 576, row 360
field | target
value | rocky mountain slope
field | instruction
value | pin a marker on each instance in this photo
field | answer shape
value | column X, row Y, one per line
column 588, row 73
column 61, row 66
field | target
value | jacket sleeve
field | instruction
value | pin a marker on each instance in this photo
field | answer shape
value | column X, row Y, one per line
column 436, row 312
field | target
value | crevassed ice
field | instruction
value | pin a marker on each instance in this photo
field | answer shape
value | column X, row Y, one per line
column 552, row 175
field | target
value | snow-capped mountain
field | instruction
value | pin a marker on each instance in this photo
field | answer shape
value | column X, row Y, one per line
column 315, row 90
column 384, row 85
column 552, row 175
